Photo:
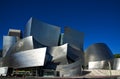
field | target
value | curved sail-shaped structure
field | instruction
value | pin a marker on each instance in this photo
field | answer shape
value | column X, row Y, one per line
column 73, row 37
column 47, row 34
column 8, row 41
column 22, row 45
column 58, row 54
column 28, row 58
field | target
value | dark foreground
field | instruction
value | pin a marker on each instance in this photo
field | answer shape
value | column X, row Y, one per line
column 31, row 77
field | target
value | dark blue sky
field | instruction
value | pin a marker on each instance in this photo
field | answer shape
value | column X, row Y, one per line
column 98, row 19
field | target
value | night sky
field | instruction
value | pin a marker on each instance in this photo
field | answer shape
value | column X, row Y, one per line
column 98, row 19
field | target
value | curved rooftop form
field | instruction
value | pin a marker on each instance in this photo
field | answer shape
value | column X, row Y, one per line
column 28, row 58
column 8, row 41
column 116, row 65
column 98, row 52
column 73, row 69
column 45, row 34
column 73, row 37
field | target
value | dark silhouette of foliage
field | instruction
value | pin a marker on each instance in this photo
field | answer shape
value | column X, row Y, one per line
column 117, row 55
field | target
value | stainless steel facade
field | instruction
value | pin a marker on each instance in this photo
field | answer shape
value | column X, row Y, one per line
column 98, row 52
column 98, row 64
column 22, row 45
column 75, row 53
column 45, row 48
column 73, row 37
column 116, row 65
column 58, row 54
column 43, row 33
column 29, row 58
column 73, row 69
column 8, row 41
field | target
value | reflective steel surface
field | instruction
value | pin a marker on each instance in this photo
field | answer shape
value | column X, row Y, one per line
column 75, row 53
column 22, row 45
column 3, row 71
column 98, row 64
column 44, row 33
column 73, row 69
column 8, row 41
column 73, row 37
column 58, row 53
column 98, row 52
column 29, row 58
column 45, row 48
column 116, row 64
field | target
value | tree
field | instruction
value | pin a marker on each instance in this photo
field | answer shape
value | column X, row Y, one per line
column 117, row 55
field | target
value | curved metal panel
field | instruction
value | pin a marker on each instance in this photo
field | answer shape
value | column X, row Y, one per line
column 44, row 33
column 75, row 38
column 28, row 28
column 56, row 55
column 98, row 65
column 116, row 64
column 22, row 45
column 98, row 52
column 8, row 41
column 73, row 69
column 29, row 58
column 37, row 44
column 75, row 53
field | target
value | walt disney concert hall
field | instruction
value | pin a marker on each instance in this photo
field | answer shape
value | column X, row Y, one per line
column 43, row 50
